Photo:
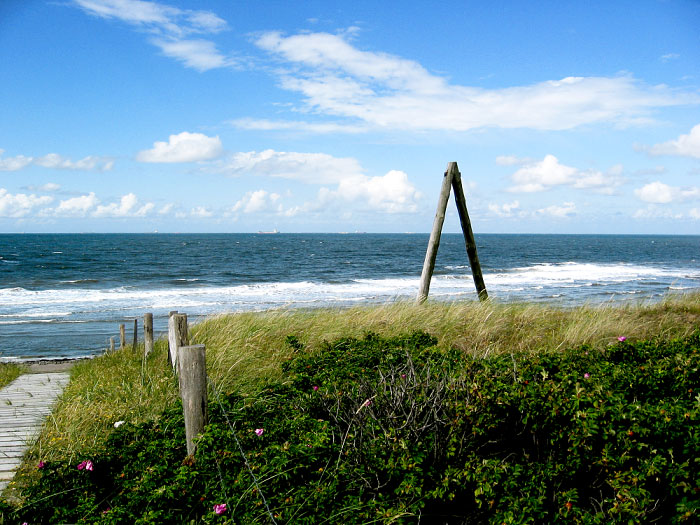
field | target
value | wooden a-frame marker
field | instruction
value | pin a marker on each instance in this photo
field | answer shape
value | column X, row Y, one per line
column 453, row 180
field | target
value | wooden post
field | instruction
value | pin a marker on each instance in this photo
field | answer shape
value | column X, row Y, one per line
column 453, row 180
column 193, row 391
column 434, row 242
column 469, row 240
column 111, row 344
column 122, row 336
column 136, row 332
column 177, row 336
column 147, row 333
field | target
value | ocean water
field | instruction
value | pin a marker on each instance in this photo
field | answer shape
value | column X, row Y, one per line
column 65, row 295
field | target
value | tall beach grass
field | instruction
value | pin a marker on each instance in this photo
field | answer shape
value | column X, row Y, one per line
column 245, row 350
column 8, row 373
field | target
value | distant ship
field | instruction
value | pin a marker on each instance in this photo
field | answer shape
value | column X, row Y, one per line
column 269, row 233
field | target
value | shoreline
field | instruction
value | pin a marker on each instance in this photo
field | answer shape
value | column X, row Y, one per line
column 45, row 364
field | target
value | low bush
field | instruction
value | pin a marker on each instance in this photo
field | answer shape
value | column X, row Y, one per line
column 397, row 430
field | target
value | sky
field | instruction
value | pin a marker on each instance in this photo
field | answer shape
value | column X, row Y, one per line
column 339, row 116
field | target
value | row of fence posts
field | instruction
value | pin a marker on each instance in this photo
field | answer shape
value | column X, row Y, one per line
column 189, row 364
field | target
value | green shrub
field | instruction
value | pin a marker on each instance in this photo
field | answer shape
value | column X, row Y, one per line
column 398, row 430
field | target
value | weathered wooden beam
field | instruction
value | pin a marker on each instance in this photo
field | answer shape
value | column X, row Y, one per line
column 122, row 336
column 192, row 371
column 434, row 242
column 177, row 336
column 147, row 333
column 469, row 240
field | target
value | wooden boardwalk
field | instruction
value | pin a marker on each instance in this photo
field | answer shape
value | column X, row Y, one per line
column 24, row 404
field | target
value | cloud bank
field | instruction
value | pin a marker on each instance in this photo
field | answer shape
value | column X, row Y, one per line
column 390, row 92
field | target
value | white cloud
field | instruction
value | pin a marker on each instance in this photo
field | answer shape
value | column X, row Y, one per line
column 170, row 25
column 654, row 212
column 660, row 193
column 391, row 193
column 504, row 210
column 201, row 55
column 183, row 147
column 694, row 213
column 391, row 92
column 684, row 146
column 200, row 212
column 560, row 212
column 297, row 125
column 20, row 204
column 49, row 187
column 128, row 206
column 166, row 209
column 257, row 201
column 13, row 163
column 549, row 173
column 154, row 16
column 669, row 56
column 56, row 161
column 76, row 206
column 310, row 168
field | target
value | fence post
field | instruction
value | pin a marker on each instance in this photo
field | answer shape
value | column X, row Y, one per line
column 177, row 336
column 111, row 344
column 434, row 242
column 193, row 391
column 122, row 336
column 147, row 334
column 136, row 332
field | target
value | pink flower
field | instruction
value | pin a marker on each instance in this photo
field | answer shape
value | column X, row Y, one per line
column 259, row 431
column 220, row 509
column 586, row 375
column 40, row 465
column 315, row 388
column 85, row 465
column 622, row 338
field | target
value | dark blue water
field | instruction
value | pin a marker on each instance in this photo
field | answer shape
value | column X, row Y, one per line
column 64, row 295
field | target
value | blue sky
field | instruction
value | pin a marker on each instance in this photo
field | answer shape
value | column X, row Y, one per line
column 324, row 116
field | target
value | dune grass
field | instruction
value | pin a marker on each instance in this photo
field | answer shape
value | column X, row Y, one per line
column 245, row 350
column 8, row 373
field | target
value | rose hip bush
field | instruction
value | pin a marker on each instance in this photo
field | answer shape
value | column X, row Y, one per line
column 397, row 430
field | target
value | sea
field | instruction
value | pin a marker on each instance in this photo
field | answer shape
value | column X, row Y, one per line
column 64, row 295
